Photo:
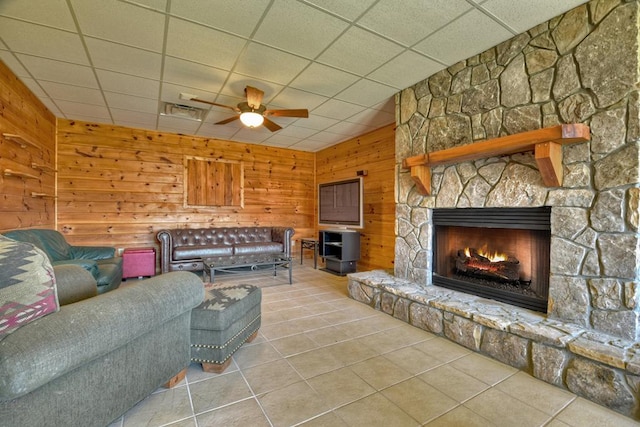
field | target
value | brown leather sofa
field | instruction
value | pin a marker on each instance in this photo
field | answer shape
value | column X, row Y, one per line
column 184, row 249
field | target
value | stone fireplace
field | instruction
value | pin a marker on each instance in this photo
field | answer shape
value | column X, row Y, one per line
column 496, row 253
column 581, row 67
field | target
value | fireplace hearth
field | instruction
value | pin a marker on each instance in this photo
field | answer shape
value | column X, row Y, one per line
column 496, row 253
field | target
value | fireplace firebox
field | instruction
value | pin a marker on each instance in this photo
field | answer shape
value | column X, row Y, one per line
column 496, row 253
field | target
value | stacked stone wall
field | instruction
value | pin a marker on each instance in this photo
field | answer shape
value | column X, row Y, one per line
column 581, row 67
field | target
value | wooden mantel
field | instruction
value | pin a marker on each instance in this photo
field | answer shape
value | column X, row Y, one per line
column 546, row 143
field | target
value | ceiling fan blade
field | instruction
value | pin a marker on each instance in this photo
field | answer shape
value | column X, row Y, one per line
column 229, row 120
column 254, row 96
column 287, row 113
column 215, row 104
column 272, row 126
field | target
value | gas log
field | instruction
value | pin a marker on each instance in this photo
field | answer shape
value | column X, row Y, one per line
column 470, row 262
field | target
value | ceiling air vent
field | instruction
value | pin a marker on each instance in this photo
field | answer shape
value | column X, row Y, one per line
column 183, row 111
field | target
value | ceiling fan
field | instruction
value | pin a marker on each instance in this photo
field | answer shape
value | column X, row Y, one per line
column 252, row 113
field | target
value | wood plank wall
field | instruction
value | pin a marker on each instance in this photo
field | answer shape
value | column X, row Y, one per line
column 119, row 186
column 375, row 153
column 21, row 113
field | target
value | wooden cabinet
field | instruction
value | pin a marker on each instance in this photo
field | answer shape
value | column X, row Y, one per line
column 340, row 250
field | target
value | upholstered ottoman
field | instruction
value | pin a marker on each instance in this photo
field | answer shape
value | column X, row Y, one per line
column 228, row 317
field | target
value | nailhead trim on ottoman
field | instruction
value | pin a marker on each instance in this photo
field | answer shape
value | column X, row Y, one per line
column 229, row 316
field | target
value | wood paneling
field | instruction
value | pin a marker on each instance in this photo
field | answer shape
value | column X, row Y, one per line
column 21, row 113
column 120, row 186
column 375, row 153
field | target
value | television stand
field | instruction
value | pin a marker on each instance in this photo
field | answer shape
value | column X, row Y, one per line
column 340, row 250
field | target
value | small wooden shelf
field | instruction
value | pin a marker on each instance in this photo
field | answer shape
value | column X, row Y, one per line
column 20, row 140
column 545, row 143
column 47, row 168
column 42, row 195
column 9, row 172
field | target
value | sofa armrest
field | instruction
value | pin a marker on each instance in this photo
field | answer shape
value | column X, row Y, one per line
column 74, row 283
column 283, row 235
column 88, row 264
column 166, row 249
column 92, row 252
column 60, row 342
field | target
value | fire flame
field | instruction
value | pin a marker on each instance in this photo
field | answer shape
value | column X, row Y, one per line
column 491, row 256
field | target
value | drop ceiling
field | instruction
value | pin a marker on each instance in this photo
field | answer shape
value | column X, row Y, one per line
column 118, row 61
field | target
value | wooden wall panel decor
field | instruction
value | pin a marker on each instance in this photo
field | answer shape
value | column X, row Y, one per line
column 213, row 182
column 120, row 186
column 375, row 153
column 27, row 157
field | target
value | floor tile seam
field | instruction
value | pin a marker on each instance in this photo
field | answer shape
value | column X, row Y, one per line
column 488, row 423
column 313, row 418
column 254, row 395
column 549, row 416
column 226, row 405
column 384, row 397
column 553, row 415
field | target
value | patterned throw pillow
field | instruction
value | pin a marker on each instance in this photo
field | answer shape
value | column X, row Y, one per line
column 27, row 285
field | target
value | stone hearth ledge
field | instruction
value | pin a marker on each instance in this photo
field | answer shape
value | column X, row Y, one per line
column 598, row 367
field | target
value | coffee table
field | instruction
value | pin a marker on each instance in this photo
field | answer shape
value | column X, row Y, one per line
column 240, row 263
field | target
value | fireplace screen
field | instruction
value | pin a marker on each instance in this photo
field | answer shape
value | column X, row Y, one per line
column 501, row 254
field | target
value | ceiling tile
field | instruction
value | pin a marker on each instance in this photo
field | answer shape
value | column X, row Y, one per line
column 131, row 85
column 297, row 132
column 309, row 31
column 270, row 64
column 373, row 118
column 215, row 115
column 216, row 131
column 366, row 92
column 61, row 72
column 72, row 93
column 294, row 98
column 433, row 15
column 121, row 23
column 347, row 9
column 521, row 16
column 204, row 45
column 124, row 59
column 42, row 41
column 171, row 93
column 178, row 125
column 186, row 73
column 349, row 129
column 405, row 70
column 281, row 140
column 133, row 103
column 237, row 16
column 455, row 41
column 134, row 117
column 252, row 135
column 34, row 87
column 311, row 146
column 359, row 51
column 388, row 105
column 316, row 122
column 51, row 106
column 323, row 80
column 12, row 62
column 159, row 5
column 336, row 109
column 327, row 137
column 74, row 109
column 53, row 13
column 237, row 83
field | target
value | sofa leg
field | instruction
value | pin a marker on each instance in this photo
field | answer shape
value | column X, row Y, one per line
column 176, row 379
column 252, row 336
column 216, row 368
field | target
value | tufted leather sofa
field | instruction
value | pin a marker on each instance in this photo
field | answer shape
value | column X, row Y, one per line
column 184, row 248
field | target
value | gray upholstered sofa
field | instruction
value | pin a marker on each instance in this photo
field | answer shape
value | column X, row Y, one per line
column 96, row 356
column 100, row 261
column 185, row 248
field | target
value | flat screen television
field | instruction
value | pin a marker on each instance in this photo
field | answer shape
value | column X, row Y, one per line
column 341, row 203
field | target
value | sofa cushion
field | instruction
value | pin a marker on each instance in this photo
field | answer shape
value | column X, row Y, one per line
column 27, row 285
column 257, row 248
column 194, row 252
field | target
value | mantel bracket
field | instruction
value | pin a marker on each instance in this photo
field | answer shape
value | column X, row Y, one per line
column 545, row 143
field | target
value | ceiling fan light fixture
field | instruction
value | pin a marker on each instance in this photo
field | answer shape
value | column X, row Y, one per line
column 251, row 119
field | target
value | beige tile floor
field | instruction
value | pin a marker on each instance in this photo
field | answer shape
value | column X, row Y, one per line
column 322, row 359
